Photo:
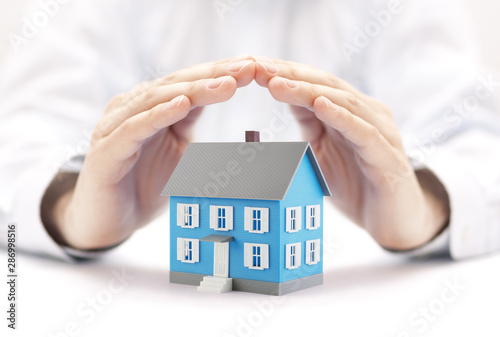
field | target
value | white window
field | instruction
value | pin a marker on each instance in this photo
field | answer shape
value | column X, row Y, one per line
column 313, row 251
column 221, row 218
column 188, row 215
column 313, row 217
column 293, row 219
column 188, row 250
column 292, row 256
column 257, row 220
column 256, row 255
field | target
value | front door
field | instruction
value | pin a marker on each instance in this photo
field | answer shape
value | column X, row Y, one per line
column 221, row 259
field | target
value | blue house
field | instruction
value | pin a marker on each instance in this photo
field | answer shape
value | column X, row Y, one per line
column 247, row 217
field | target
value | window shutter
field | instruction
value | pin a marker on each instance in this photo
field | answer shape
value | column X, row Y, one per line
column 180, row 249
column 248, row 218
column 264, row 252
column 229, row 217
column 265, row 219
column 308, row 252
column 299, row 218
column 213, row 217
column 298, row 254
column 196, row 215
column 317, row 211
column 308, row 217
column 288, row 254
column 317, row 250
column 180, row 214
column 196, row 250
column 288, row 220
column 247, row 254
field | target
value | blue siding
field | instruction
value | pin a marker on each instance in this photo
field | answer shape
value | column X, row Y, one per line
column 236, row 250
column 305, row 190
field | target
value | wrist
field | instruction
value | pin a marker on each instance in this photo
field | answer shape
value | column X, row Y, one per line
column 55, row 205
column 437, row 202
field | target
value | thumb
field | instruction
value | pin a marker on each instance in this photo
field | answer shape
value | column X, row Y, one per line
column 184, row 128
column 312, row 127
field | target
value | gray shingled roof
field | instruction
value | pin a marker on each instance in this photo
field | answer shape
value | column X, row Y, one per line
column 264, row 170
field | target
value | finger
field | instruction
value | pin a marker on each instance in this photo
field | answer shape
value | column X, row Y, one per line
column 266, row 71
column 128, row 138
column 184, row 128
column 304, row 94
column 370, row 145
column 241, row 68
column 312, row 128
column 200, row 93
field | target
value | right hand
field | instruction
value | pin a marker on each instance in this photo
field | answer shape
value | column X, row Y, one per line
column 134, row 150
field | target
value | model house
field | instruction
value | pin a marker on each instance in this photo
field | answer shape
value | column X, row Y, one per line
column 247, row 216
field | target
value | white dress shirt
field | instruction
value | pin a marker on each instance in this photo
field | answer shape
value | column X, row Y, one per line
column 420, row 61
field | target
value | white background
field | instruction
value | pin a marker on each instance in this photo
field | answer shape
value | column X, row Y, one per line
column 367, row 292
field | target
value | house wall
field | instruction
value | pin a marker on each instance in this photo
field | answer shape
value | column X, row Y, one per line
column 305, row 190
column 236, row 250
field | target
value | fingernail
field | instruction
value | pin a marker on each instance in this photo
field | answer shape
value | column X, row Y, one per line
column 238, row 66
column 217, row 82
column 289, row 83
column 174, row 103
column 270, row 68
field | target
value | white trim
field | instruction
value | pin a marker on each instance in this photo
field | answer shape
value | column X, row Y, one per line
column 182, row 215
column 264, row 255
column 181, row 250
column 317, row 251
column 297, row 256
column 317, row 217
column 214, row 217
column 264, row 219
column 297, row 218
column 247, row 254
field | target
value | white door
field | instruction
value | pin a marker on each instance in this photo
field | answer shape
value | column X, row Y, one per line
column 221, row 259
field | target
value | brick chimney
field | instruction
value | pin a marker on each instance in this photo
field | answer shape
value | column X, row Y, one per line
column 252, row 136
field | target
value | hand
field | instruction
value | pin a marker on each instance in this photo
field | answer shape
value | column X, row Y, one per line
column 134, row 150
column 361, row 154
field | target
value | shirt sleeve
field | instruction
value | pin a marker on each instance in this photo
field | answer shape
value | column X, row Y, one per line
column 53, row 89
column 424, row 66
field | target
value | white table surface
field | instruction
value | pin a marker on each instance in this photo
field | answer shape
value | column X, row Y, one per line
column 366, row 292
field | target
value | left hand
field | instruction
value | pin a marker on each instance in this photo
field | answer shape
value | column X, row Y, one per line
column 361, row 154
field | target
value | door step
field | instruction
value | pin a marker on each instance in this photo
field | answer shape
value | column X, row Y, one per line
column 212, row 284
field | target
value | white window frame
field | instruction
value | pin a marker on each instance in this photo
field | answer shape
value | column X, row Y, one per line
column 182, row 215
column 293, row 224
column 214, row 217
column 313, row 253
column 249, row 219
column 183, row 249
column 293, row 255
column 313, row 221
column 249, row 255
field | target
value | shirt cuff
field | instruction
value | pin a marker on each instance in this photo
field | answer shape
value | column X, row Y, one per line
column 438, row 246
column 468, row 231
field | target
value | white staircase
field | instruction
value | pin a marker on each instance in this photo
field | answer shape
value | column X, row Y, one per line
column 211, row 284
